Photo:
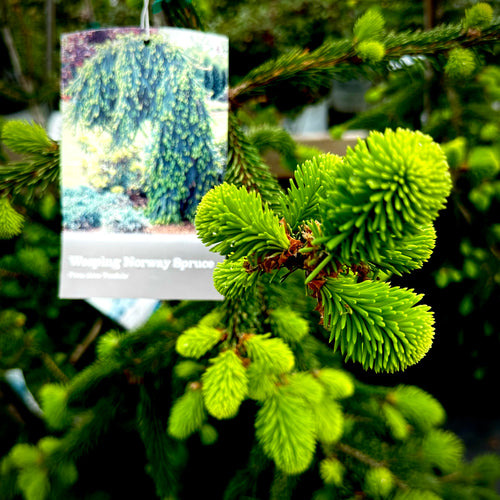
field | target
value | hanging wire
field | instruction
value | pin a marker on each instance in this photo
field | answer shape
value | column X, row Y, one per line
column 145, row 19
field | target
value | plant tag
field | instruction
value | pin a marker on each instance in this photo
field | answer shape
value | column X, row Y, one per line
column 143, row 138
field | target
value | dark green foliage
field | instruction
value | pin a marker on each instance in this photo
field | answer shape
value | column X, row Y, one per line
column 244, row 162
column 166, row 456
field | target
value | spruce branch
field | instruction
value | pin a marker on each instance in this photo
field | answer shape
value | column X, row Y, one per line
column 88, row 428
column 417, row 406
column 179, row 13
column 299, row 69
column 53, row 367
column 245, row 167
column 268, row 355
column 197, row 340
column 305, row 191
column 188, row 413
column 367, row 460
column 267, row 137
column 81, row 348
column 313, row 71
column 371, row 211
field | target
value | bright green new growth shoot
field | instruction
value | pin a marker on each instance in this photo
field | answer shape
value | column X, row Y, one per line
column 11, row 222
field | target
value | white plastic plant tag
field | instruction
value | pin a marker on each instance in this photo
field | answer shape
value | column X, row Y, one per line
column 144, row 137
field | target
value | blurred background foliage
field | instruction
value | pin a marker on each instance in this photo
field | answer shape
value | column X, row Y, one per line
column 461, row 282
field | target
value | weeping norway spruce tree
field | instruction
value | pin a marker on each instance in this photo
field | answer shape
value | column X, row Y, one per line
column 253, row 396
column 160, row 98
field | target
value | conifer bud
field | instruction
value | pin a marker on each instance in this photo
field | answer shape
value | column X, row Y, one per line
column 306, row 386
column 187, row 369
column 338, row 383
column 483, row 163
column 461, row 63
column 187, row 414
column 288, row 324
column 34, row 483
column 231, row 278
column 455, row 151
column 380, row 326
column 107, row 344
column 396, row 422
column 272, row 354
column 331, row 471
column 225, row 385
column 329, row 421
column 443, row 449
column 238, row 223
column 197, row 340
column 285, row 429
column 11, row 222
column 261, row 386
column 370, row 51
column 478, row 16
column 370, row 26
column 416, row 405
column 53, row 399
column 35, row 262
column 402, row 181
column 489, row 132
column 24, row 455
column 67, row 473
column 48, row 444
column 379, row 482
column 208, row 434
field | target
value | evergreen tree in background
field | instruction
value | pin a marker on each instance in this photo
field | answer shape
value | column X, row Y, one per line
column 253, row 397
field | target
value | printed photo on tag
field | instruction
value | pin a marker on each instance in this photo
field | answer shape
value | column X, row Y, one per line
column 143, row 138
